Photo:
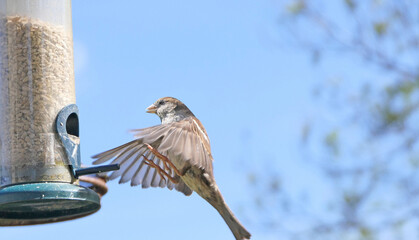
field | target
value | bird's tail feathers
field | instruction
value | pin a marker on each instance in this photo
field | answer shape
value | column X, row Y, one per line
column 238, row 230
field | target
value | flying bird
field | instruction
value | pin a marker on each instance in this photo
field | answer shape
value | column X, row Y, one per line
column 175, row 154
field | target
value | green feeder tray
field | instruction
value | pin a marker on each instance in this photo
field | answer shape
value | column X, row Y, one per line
column 45, row 202
column 36, row 203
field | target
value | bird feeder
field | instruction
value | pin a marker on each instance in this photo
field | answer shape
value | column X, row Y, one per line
column 39, row 125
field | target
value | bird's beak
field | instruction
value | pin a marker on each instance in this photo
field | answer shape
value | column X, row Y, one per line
column 151, row 109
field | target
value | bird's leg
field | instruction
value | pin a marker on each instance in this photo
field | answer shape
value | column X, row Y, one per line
column 167, row 167
column 164, row 159
column 153, row 165
column 159, row 170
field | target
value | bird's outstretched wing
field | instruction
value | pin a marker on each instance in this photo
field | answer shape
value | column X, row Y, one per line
column 185, row 140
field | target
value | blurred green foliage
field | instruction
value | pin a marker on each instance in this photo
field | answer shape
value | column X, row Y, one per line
column 380, row 28
column 376, row 132
column 296, row 7
column 331, row 141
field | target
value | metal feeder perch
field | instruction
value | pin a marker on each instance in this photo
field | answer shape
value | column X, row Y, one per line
column 40, row 160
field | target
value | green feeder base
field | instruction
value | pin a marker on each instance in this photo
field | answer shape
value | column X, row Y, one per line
column 36, row 203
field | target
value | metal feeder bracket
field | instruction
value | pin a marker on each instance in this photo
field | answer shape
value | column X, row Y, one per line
column 67, row 124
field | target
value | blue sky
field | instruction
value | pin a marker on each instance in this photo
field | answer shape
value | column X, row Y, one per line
column 228, row 62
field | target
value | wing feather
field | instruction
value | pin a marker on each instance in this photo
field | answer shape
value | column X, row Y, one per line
column 187, row 149
column 139, row 174
column 167, row 141
column 130, row 169
column 123, row 160
column 146, row 183
column 139, row 133
column 106, row 156
column 179, row 141
column 186, row 141
column 155, row 181
column 155, row 135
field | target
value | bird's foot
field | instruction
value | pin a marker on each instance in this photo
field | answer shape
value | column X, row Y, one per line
column 167, row 163
column 159, row 170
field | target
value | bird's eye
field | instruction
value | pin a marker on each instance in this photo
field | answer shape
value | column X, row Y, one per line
column 161, row 102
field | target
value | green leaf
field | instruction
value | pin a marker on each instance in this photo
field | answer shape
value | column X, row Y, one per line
column 380, row 28
column 408, row 88
column 365, row 232
column 391, row 117
column 351, row 198
column 297, row 7
column 332, row 141
column 350, row 4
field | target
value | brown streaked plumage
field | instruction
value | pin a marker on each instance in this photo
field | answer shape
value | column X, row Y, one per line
column 175, row 154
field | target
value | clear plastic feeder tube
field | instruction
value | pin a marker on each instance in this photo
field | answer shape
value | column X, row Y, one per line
column 36, row 82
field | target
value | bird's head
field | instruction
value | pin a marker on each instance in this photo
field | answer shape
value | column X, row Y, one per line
column 169, row 109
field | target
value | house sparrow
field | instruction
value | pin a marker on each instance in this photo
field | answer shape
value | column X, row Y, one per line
column 175, row 154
